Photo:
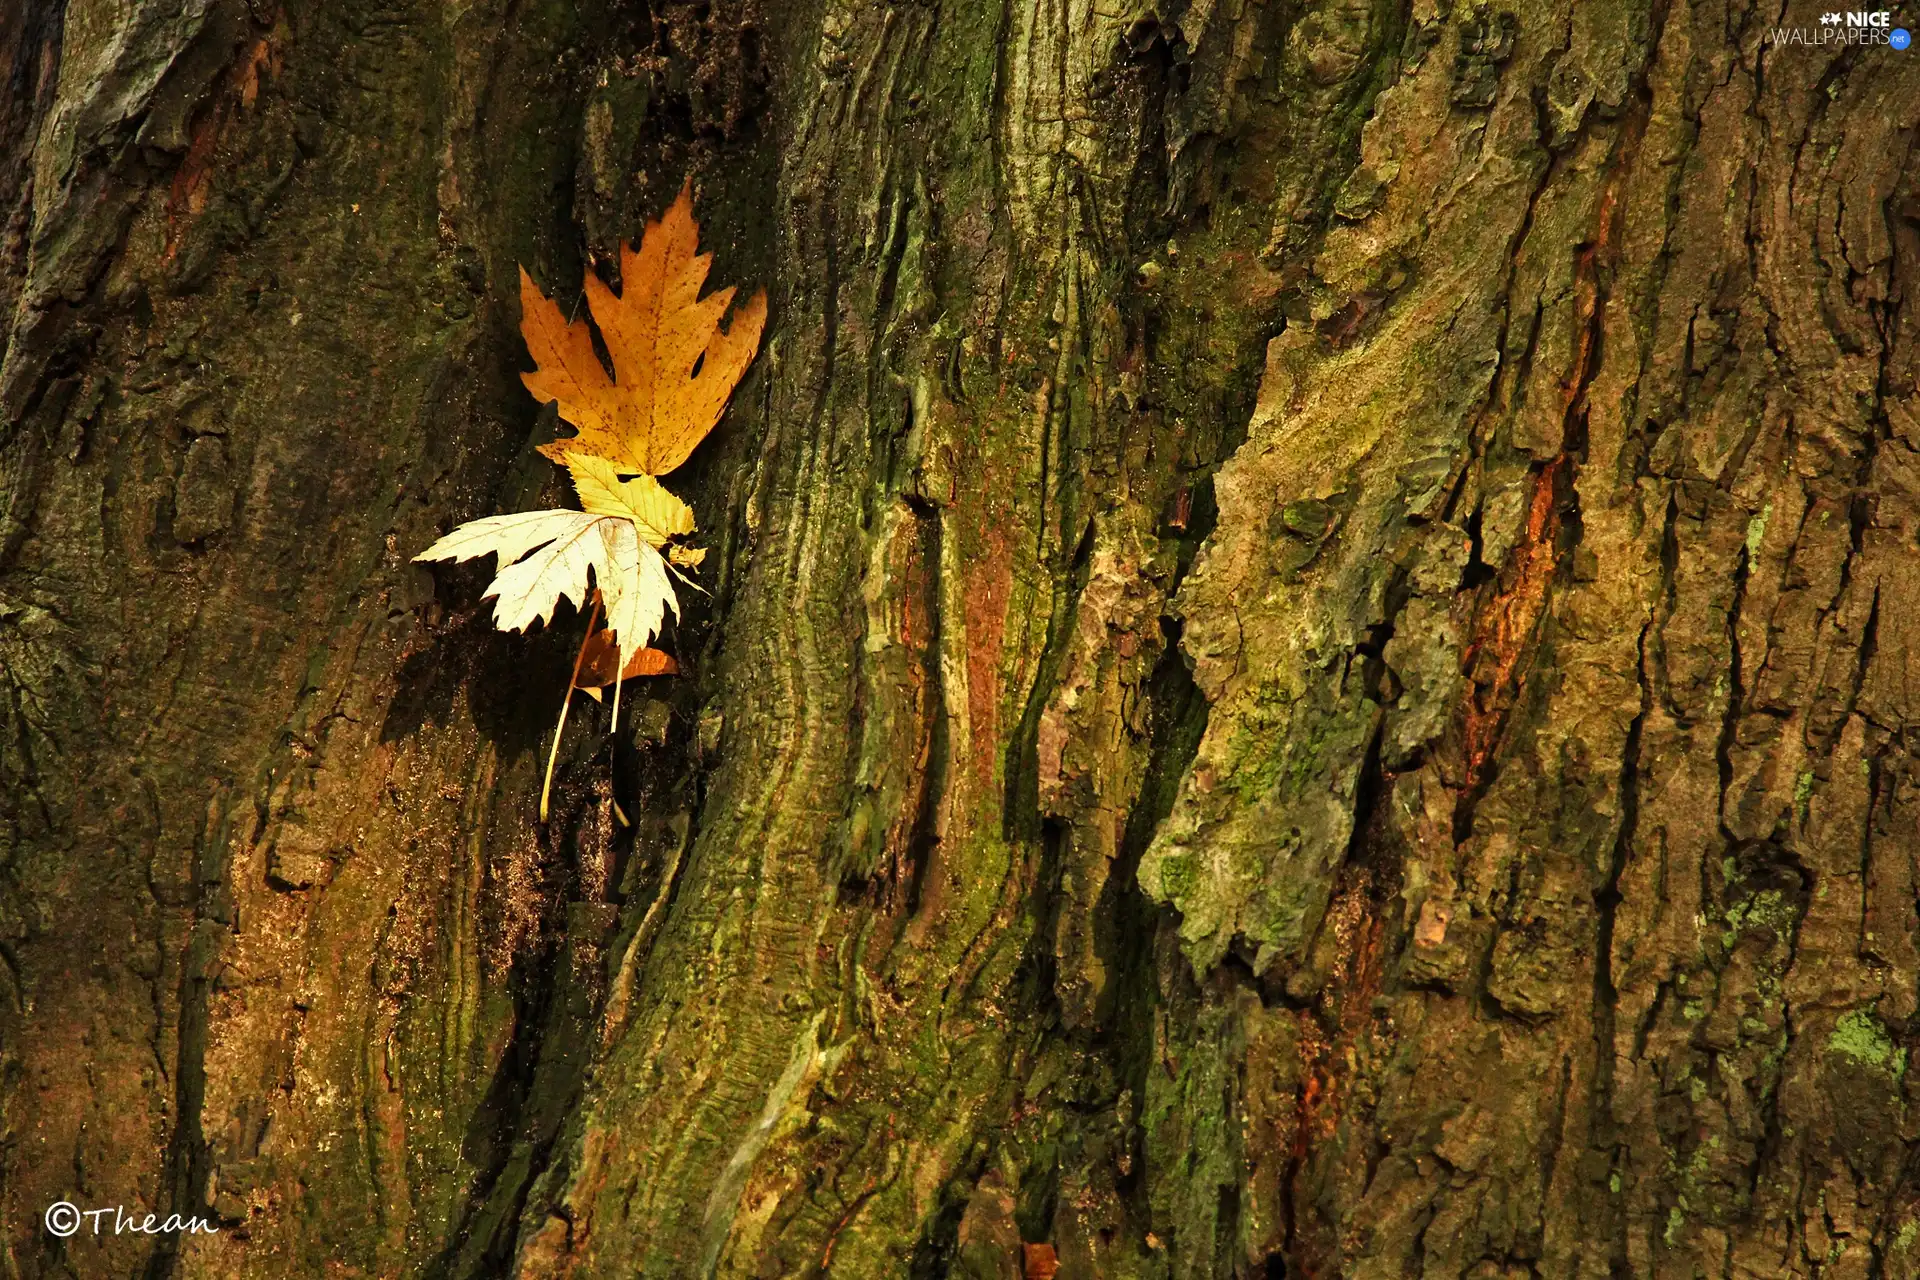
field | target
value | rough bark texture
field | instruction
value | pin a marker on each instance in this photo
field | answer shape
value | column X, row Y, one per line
column 1312, row 669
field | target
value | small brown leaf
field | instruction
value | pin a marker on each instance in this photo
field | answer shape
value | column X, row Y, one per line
column 1042, row 1264
column 596, row 667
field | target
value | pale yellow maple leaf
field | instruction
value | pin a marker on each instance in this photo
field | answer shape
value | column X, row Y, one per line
column 549, row 556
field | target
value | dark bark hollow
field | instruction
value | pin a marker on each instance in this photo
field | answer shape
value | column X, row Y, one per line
column 1314, row 616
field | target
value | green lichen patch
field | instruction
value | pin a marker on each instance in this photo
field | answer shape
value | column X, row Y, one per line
column 1861, row 1037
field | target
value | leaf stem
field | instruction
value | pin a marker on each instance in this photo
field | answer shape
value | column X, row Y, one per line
column 566, row 703
column 619, row 671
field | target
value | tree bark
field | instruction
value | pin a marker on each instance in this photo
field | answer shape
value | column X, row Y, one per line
column 1308, row 669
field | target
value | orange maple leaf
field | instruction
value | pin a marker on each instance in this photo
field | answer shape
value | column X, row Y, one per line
column 673, row 365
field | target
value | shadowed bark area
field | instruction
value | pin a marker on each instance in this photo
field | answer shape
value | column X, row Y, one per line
column 1307, row 670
